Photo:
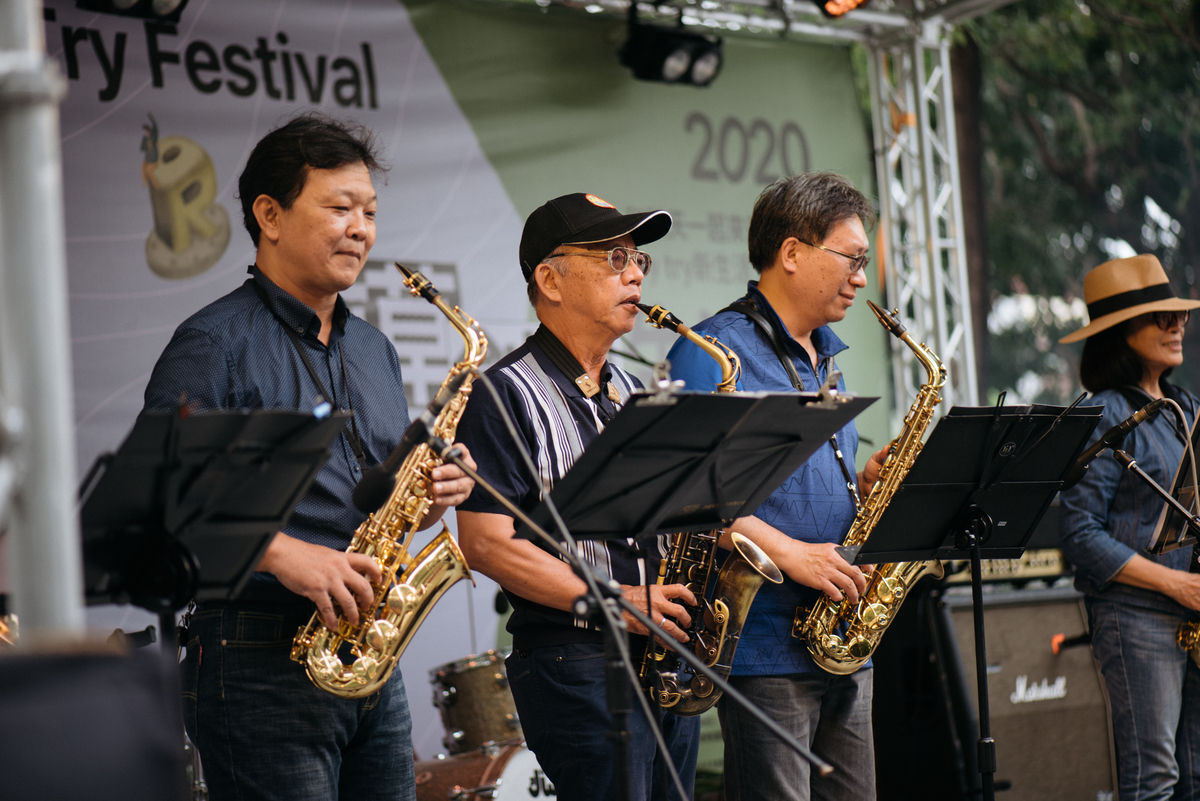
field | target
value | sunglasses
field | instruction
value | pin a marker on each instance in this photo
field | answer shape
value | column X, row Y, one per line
column 1166, row 320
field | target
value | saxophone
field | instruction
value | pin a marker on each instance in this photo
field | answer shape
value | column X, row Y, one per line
column 399, row 607
column 717, row 623
column 1189, row 639
column 889, row 584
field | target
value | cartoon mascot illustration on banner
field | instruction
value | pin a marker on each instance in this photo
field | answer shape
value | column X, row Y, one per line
column 191, row 231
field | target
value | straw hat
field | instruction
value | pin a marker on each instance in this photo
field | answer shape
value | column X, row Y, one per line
column 1121, row 289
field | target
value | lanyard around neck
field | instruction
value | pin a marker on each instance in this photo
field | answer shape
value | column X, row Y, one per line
column 775, row 338
column 326, row 396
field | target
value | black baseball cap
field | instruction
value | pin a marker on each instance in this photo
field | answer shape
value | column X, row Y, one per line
column 583, row 219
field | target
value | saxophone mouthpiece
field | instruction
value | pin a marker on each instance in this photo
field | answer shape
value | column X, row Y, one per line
column 889, row 320
column 659, row 317
column 420, row 285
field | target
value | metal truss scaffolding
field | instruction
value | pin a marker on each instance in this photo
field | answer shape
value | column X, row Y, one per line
column 920, row 219
column 916, row 155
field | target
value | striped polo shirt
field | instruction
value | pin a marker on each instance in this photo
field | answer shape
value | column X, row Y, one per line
column 556, row 422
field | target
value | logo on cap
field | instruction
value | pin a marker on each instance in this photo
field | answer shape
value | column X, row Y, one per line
column 595, row 201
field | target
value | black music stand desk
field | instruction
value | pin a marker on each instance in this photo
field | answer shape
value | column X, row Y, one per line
column 691, row 461
column 187, row 506
column 978, row 488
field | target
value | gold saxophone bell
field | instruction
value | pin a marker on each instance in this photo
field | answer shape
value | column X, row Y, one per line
column 400, row 604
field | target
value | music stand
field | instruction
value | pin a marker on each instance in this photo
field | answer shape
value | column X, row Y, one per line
column 187, row 506
column 978, row 488
column 671, row 462
column 694, row 462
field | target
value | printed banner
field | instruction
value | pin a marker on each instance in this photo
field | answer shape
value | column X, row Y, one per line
column 485, row 111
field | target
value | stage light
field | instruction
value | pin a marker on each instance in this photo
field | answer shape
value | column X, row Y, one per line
column 671, row 55
column 836, row 8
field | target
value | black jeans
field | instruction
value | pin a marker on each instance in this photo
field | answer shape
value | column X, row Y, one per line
column 560, row 697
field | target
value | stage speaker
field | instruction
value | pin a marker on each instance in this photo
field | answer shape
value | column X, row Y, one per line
column 1049, row 714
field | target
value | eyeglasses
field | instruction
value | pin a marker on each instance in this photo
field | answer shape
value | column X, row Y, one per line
column 856, row 262
column 618, row 258
column 1166, row 320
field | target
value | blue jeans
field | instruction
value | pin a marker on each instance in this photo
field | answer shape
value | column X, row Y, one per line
column 830, row 714
column 264, row 731
column 560, row 697
column 1154, row 692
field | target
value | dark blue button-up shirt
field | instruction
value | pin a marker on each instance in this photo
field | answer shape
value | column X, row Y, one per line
column 813, row 505
column 235, row 354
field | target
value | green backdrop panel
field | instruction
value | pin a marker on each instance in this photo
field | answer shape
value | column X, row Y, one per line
column 555, row 112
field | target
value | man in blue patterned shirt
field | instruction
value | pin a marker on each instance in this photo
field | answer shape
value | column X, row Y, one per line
column 808, row 242
column 584, row 273
column 285, row 340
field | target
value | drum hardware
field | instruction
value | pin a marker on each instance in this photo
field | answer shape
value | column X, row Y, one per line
column 501, row 773
column 195, row 774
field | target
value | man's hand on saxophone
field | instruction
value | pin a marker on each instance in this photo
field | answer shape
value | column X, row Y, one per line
column 870, row 472
column 672, row 617
column 450, row 488
column 334, row 579
column 816, row 565
column 329, row 578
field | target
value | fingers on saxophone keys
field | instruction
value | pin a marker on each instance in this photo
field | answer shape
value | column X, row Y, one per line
column 673, row 629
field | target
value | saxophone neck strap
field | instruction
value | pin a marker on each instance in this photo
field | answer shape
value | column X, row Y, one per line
column 774, row 337
column 355, row 441
column 771, row 334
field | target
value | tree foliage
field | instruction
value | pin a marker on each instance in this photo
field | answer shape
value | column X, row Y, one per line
column 1091, row 126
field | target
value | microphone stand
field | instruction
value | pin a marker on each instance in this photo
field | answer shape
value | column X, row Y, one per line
column 603, row 595
column 1130, row 464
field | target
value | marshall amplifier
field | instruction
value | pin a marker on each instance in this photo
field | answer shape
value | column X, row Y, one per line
column 1049, row 714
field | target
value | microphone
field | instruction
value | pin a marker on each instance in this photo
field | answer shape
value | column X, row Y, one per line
column 378, row 481
column 1111, row 439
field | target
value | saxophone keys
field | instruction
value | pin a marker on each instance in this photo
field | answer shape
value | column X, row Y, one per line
column 874, row 616
column 702, row 686
column 365, row 669
column 382, row 635
column 888, row 590
column 400, row 598
column 1189, row 636
column 325, row 665
column 859, row 648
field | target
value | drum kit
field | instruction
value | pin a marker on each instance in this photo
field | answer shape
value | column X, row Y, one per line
column 488, row 758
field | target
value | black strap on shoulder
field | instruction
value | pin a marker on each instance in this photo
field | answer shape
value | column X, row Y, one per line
column 355, row 441
column 748, row 308
column 775, row 340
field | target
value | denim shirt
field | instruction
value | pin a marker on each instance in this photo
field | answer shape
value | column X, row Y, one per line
column 1111, row 514
column 813, row 505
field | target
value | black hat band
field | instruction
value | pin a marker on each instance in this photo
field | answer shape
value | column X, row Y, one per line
column 1125, row 300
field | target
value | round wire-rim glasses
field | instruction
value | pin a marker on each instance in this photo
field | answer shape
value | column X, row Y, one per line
column 619, row 258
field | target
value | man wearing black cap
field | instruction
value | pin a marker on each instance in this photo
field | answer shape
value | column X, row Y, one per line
column 580, row 259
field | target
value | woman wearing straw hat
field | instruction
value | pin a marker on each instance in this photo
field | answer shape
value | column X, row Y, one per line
column 1136, row 601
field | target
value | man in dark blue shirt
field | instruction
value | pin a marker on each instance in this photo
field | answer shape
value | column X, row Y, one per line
column 808, row 243
column 285, row 340
column 584, row 273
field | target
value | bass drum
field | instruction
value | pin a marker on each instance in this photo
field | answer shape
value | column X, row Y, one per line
column 501, row 773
